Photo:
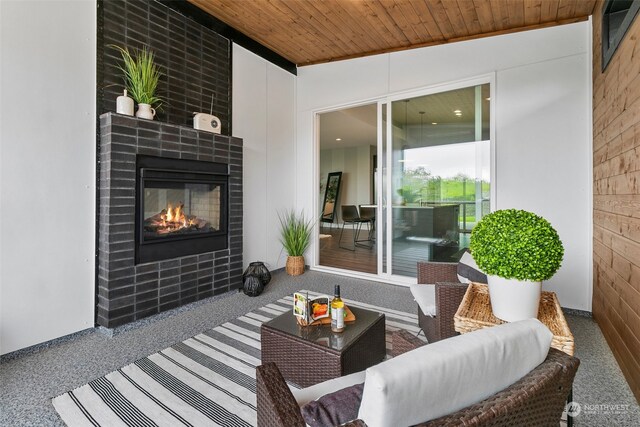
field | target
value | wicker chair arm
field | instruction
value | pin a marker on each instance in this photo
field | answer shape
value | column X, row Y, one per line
column 448, row 298
column 433, row 272
column 404, row 341
column 276, row 405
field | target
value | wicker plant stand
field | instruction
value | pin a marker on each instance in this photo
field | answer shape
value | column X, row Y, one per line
column 307, row 355
column 475, row 313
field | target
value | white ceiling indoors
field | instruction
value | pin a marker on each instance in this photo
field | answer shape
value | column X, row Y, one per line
column 356, row 126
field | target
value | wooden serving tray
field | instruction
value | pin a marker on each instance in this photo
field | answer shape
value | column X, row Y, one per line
column 327, row 320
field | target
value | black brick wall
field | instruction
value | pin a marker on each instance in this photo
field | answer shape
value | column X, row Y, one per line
column 196, row 61
column 126, row 291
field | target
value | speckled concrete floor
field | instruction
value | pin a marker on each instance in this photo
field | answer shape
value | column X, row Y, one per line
column 30, row 381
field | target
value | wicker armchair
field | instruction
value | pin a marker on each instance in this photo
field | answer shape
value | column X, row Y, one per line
column 449, row 293
column 537, row 399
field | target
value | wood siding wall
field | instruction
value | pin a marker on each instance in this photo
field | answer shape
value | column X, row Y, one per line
column 616, row 198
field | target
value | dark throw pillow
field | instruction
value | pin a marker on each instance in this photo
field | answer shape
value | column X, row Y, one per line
column 468, row 270
column 334, row 408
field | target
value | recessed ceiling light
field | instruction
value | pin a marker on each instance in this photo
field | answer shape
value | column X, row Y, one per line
column 338, row 139
column 487, row 99
column 434, row 123
column 457, row 111
column 458, row 114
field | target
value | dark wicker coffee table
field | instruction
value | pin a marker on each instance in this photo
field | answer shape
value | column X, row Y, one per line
column 308, row 355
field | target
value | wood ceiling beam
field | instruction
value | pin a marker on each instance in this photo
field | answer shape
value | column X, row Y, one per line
column 380, row 12
column 470, row 16
column 516, row 14
column 202, row 16
column 485, row 17
column 455, row 18
column 311, row 32
column 549, row 11
column 440, row 15
column 428, row 20
column 453, row 40
column 400, row 21
column 307, row 37
column 532, row 12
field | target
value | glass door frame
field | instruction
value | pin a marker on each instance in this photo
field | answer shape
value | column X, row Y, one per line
column 384, row 137
column 315, row 241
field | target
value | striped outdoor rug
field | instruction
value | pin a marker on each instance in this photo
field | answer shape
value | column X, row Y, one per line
column 207, row 380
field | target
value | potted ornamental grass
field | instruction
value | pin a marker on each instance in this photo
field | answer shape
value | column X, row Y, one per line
column 141, row 74
column 517, row 250
column 295, row 236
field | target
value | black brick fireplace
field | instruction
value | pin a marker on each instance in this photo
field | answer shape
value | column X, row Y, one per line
column 170, row 217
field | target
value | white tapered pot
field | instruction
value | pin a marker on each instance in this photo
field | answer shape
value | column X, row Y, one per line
column 145, row 111
column 512, row 299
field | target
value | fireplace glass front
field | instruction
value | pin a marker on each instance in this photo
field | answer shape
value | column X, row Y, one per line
column 182, row 207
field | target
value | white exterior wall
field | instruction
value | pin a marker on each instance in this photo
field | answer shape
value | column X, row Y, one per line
column 47, row 170
column 542, row 115
column 264, row 116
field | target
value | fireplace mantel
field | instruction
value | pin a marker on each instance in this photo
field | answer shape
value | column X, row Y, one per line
column 128, row 291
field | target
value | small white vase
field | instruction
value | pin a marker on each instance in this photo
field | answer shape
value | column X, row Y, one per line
column 145, row 111
column 512, row 299
column 124, row 104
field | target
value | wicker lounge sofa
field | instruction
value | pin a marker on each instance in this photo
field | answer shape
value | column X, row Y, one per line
column 537, row 399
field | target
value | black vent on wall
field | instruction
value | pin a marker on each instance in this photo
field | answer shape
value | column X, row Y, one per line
column 196, row 61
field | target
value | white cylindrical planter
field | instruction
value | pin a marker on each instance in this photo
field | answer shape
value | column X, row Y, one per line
column 145, row 112
column 512, row 299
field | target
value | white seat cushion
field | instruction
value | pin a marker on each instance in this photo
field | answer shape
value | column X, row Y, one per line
column 425, row 296
column 314, row 392
column 448, row 375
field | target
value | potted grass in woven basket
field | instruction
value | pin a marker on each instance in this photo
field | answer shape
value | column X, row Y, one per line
column 295, row 236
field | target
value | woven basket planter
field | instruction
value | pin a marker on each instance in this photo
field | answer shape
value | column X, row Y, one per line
column 295, row 265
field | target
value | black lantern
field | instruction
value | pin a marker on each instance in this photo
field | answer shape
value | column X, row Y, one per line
column 252, row 285
column 258, row 269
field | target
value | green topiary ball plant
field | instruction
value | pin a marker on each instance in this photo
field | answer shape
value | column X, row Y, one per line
column 516, row 244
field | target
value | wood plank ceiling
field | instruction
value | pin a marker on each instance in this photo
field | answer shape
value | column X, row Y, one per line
column 314, row 31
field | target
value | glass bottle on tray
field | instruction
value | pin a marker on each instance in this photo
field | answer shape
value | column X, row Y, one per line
column 337, row 311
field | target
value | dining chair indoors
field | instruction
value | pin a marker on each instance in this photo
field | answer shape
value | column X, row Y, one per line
column 369, row 212
column 350, row 216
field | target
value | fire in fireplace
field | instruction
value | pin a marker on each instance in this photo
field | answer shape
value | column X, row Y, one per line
column 182, row 207
column 173, row 220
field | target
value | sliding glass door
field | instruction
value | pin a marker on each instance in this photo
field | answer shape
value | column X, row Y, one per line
column 347, row 176
column 417, row 168
column 436, row 178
